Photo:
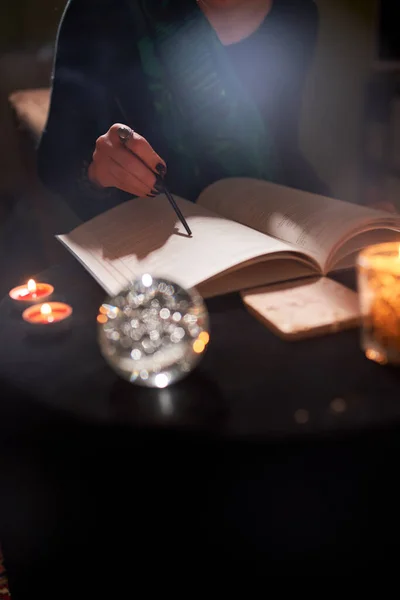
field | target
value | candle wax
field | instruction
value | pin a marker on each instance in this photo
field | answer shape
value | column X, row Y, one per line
column 57, row 311
column 23, row 294
column 382, row 258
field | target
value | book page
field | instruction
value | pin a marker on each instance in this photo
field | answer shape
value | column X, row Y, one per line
column 346, row 256
column 145, row 236
column 314, row 224
column 280, row 269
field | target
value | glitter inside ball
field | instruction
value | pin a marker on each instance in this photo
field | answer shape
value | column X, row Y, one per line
column 154, row 332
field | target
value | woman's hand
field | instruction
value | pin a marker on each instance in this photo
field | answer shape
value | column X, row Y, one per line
column 114, row 166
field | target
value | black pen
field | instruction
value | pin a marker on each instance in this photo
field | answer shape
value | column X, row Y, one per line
column 124, row 134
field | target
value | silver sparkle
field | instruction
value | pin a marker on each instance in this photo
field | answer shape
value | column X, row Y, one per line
column 151, row 332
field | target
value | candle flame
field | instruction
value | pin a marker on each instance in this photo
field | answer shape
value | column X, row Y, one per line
column 45, row 309
column 31, row 285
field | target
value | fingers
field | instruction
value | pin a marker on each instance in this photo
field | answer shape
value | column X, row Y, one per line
column 141, row 148
column 127, row 182
column 129, row 166
column 108, row 174
column 133, row 166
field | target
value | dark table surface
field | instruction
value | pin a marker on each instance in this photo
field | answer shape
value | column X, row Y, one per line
column 250, row 385
column 221, row 464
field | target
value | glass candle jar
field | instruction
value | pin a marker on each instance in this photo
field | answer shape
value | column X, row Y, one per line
column 379, row 292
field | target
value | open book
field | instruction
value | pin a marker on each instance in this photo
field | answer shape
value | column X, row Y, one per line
column 245, row 233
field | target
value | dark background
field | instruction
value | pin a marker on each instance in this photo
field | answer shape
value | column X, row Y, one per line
column 389, row 39
column 354, row 35
column 332, row 122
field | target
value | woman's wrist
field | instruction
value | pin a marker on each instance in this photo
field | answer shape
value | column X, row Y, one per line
column 92, row 176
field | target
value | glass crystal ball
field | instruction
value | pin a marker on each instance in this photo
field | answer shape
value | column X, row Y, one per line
column 153, row 333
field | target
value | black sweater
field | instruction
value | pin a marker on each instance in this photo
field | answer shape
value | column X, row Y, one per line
column 97, row 62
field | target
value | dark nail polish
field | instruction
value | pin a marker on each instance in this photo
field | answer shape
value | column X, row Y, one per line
column 158, row 187
column 160, row 168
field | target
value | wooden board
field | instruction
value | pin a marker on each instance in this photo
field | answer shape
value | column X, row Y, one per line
column 306, row 308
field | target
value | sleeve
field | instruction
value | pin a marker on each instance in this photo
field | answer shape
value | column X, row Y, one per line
column 302, row 31
column 81, row 108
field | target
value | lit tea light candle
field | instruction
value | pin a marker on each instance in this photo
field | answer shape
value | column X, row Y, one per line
column 54, row 315
column 379, row 290
column 31, row 292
